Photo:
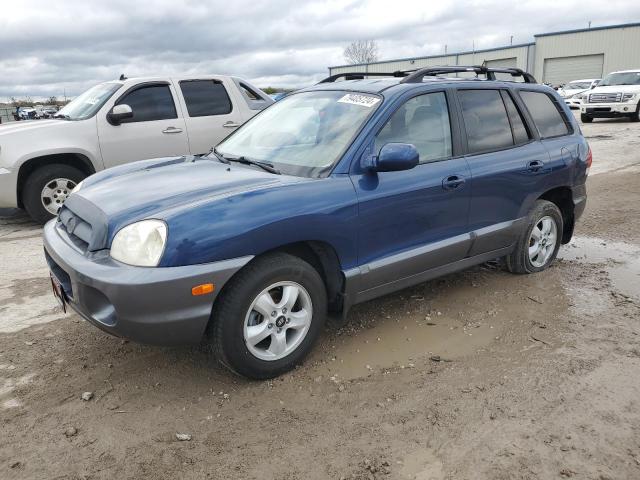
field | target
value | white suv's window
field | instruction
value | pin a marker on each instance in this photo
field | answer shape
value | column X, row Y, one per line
column 205, row 98
column 149, row 103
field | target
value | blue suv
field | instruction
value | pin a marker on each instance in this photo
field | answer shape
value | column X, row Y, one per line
column 337, row 194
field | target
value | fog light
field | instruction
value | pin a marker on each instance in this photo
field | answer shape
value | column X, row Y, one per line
column 625, row 109
column 202, row 289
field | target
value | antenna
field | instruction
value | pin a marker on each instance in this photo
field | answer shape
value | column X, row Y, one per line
column 122, row 77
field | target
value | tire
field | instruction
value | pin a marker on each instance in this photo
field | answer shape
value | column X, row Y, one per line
column 636, row 116
column 232, row 314
column 585, row 118
column 520, row 261
column 43, row 177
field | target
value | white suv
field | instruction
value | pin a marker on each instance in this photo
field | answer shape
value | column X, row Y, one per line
column 618, row 95
column 118, row 122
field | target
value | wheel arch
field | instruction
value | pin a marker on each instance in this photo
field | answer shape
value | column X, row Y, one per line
column 323, row 257
column 77, row 160
column 562, row 197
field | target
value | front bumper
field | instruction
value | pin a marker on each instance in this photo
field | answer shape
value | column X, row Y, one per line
column 147, row 305
column 573, row 102
column 8, row 188
column 608, row 110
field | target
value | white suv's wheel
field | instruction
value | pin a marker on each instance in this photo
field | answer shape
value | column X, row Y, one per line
column 47, row 188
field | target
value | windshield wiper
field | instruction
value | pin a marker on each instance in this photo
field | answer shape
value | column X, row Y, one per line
column 218, row 155
column 62, row 115
column 248, row 161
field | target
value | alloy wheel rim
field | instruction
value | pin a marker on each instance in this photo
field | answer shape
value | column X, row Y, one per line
column 278, row 320
column 55, row 193
column 542, row 241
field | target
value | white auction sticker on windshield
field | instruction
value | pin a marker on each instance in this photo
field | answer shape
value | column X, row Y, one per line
column 359, row 99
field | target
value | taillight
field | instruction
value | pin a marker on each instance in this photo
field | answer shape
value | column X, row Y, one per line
column 589, row 159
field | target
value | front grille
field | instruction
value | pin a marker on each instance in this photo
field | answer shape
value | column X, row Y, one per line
column 605, row 97
column 78, row 230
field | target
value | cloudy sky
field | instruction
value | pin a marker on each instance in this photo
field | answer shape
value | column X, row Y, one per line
column 49, row 47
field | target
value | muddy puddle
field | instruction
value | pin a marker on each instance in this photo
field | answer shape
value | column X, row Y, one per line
column 449, row 318
column 621, row 261
column 396, row 344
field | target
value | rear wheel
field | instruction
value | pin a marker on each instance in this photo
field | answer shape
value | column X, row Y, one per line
column 47, row 188
column 269, row 316
column 585, row 118
column 540, row 241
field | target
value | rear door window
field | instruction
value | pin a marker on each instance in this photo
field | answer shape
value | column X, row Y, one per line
column 205, row 98
column 486, row 121
column 520, row 133
column 150, row 103
column 422, row 121
column 545, row 113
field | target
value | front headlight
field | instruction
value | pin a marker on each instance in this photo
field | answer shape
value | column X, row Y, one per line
column 627, row 96
column 140, row 244
column 77, row 187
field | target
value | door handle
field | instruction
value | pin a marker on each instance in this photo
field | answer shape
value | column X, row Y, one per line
column 231, row 124
column 172, row 130
column 452, row 182
column 535, row 166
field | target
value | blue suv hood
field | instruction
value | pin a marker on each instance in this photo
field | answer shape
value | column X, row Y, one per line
column 164, row 187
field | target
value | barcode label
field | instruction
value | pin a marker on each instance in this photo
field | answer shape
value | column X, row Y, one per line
column 359, row 99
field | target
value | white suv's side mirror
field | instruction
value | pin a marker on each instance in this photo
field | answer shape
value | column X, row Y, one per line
column 119, row 113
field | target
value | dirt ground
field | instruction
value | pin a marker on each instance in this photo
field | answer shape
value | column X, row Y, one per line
column 478, row 375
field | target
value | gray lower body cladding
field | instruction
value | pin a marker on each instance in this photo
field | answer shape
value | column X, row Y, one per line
column 147, row 305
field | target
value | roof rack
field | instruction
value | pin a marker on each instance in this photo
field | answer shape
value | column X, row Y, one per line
column 416, row 76
column 362, row 75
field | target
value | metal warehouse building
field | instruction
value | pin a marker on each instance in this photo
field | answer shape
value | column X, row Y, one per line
column 555, row 58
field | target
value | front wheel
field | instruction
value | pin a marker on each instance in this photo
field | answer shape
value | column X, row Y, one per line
column 635, row 117
column 540, row 241
column 268, row 317
column 47, row 188
column 585, row 118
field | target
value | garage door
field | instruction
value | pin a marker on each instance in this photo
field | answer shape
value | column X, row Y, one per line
column 510, row 62
column 565, row 69
column 502, row 62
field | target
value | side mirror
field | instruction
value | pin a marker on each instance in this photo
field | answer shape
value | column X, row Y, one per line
column 394, row 157
column 119, row 113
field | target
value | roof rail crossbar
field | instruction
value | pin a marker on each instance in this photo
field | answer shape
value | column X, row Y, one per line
column 418, row 75
column 362, row 75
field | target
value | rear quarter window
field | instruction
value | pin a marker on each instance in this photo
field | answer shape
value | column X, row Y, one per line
column 545, row 113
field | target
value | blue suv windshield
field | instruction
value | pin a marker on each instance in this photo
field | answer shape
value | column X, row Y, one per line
column 304, row 134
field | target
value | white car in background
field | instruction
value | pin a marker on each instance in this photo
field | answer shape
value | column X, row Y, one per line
column 571, row 91
column 617, row 95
